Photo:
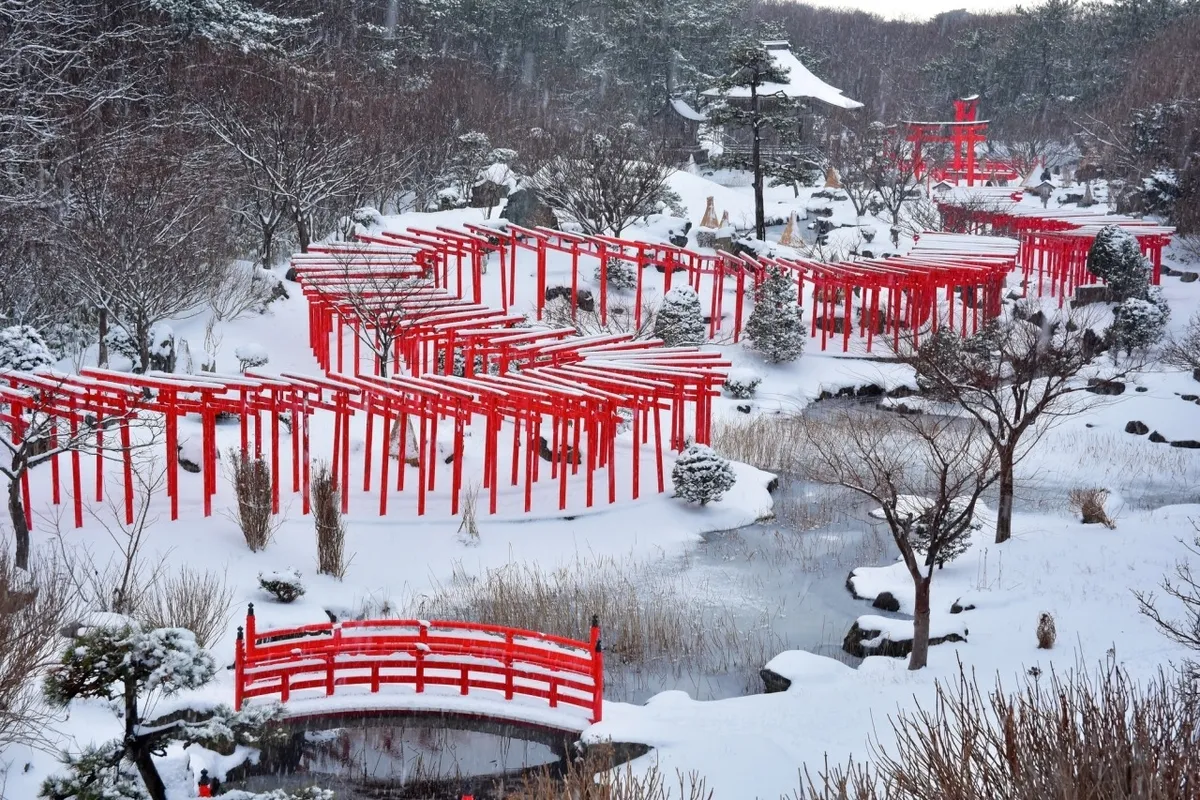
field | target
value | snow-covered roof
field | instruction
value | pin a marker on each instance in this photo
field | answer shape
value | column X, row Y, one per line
column 801, row 82
column 686, row 111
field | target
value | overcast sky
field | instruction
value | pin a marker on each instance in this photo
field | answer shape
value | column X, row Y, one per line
column 918, row 9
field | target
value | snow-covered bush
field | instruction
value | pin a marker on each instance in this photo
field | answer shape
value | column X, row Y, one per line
column 622, row 276
column 775, row 327
column 250, row 355
column 162, row 347
column 286, row 586
column 700, row 475
column 22, row 347
column 120, row 342
column 742, row 383
column 1116, row 257
column 679, row 320
column 1139, row 324
column 307, row 793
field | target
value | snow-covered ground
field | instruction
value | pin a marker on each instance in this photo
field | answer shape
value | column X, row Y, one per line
column 753, row 746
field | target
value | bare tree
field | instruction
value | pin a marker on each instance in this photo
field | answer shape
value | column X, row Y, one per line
column 147, row 234
column 610, row 178
column 35, row 604
column 1183, row 351
column 41, row 434
column 1184, row 588
column 296, row 152
column 892, row 172
column 1016, row 378
column 926, row 474
column 386, row 300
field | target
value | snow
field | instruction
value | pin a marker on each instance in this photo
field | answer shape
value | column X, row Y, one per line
column 801, row 82
column 751, row 746
column 686, row 111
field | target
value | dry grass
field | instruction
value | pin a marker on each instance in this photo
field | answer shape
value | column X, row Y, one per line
column 1046, row 633
column 1089, row 505
column 657, row 627
column 34, row 607
column 468, row 526
column 252, row 486
column 1079, row 735
column 596, row 777
column 331, row 527
column 766, row 442
column 200, row 602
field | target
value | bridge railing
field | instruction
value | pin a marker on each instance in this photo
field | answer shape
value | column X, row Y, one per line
column 419, row 653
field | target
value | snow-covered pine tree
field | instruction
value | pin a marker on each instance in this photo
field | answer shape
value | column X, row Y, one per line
column 1116, row 257
column 775, row 328
column 679, row 320
column 22, row 347
column 118, row 661
column 701, row 475
column 1139, row 324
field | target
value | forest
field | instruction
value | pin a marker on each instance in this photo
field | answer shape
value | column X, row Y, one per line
column 147, row 143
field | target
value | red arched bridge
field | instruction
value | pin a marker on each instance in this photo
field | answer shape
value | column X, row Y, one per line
column 399, row 666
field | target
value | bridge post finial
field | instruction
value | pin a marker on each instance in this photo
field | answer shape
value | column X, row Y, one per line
column 250, row 609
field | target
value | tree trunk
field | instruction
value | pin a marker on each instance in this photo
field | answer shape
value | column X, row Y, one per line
column 760, row 225
column 302, row 233
column 1005, row 509
column 142, row 331
column 137, row 750
column 16, row 513
column 102, row 356
column 268, row 246
column 920, row 649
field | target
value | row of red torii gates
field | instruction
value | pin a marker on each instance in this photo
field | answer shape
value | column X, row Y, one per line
column 898, row 294
column 1054, row 243
column 559, row 394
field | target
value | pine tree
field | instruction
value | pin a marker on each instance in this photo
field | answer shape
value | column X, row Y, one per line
column 22, row 348
column 1116, row 257
column 752, row 66
column 1139, row 324
column 679, row 321
column 700, row 475
column 130, row 667
column 775, row 327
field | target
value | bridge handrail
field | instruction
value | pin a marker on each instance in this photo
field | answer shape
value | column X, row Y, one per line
column 329, row 654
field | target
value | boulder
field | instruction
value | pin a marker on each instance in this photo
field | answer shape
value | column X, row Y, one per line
column 1157, row 437
column 862, row 642
column 1103, row 387
column 1189, row 277
column 584, row 299
column 526, row 208
column 706, row 237
column 549, row 455
column 1190, row 444
column 290, row 275
column 487, row 194
column 1190, row 398
column 886, row 601
column 744, row 408
column 1136, row 427
column 679, row 236
column 773, row 681
column 958, row 607
column 186, row 464
column 1087, row 295
column 1140, row 389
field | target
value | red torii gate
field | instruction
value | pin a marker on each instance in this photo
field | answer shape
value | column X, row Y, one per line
column 1054, row 242
column 963, row 134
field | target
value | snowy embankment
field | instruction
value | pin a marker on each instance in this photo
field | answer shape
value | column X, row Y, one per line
column 755, row 747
